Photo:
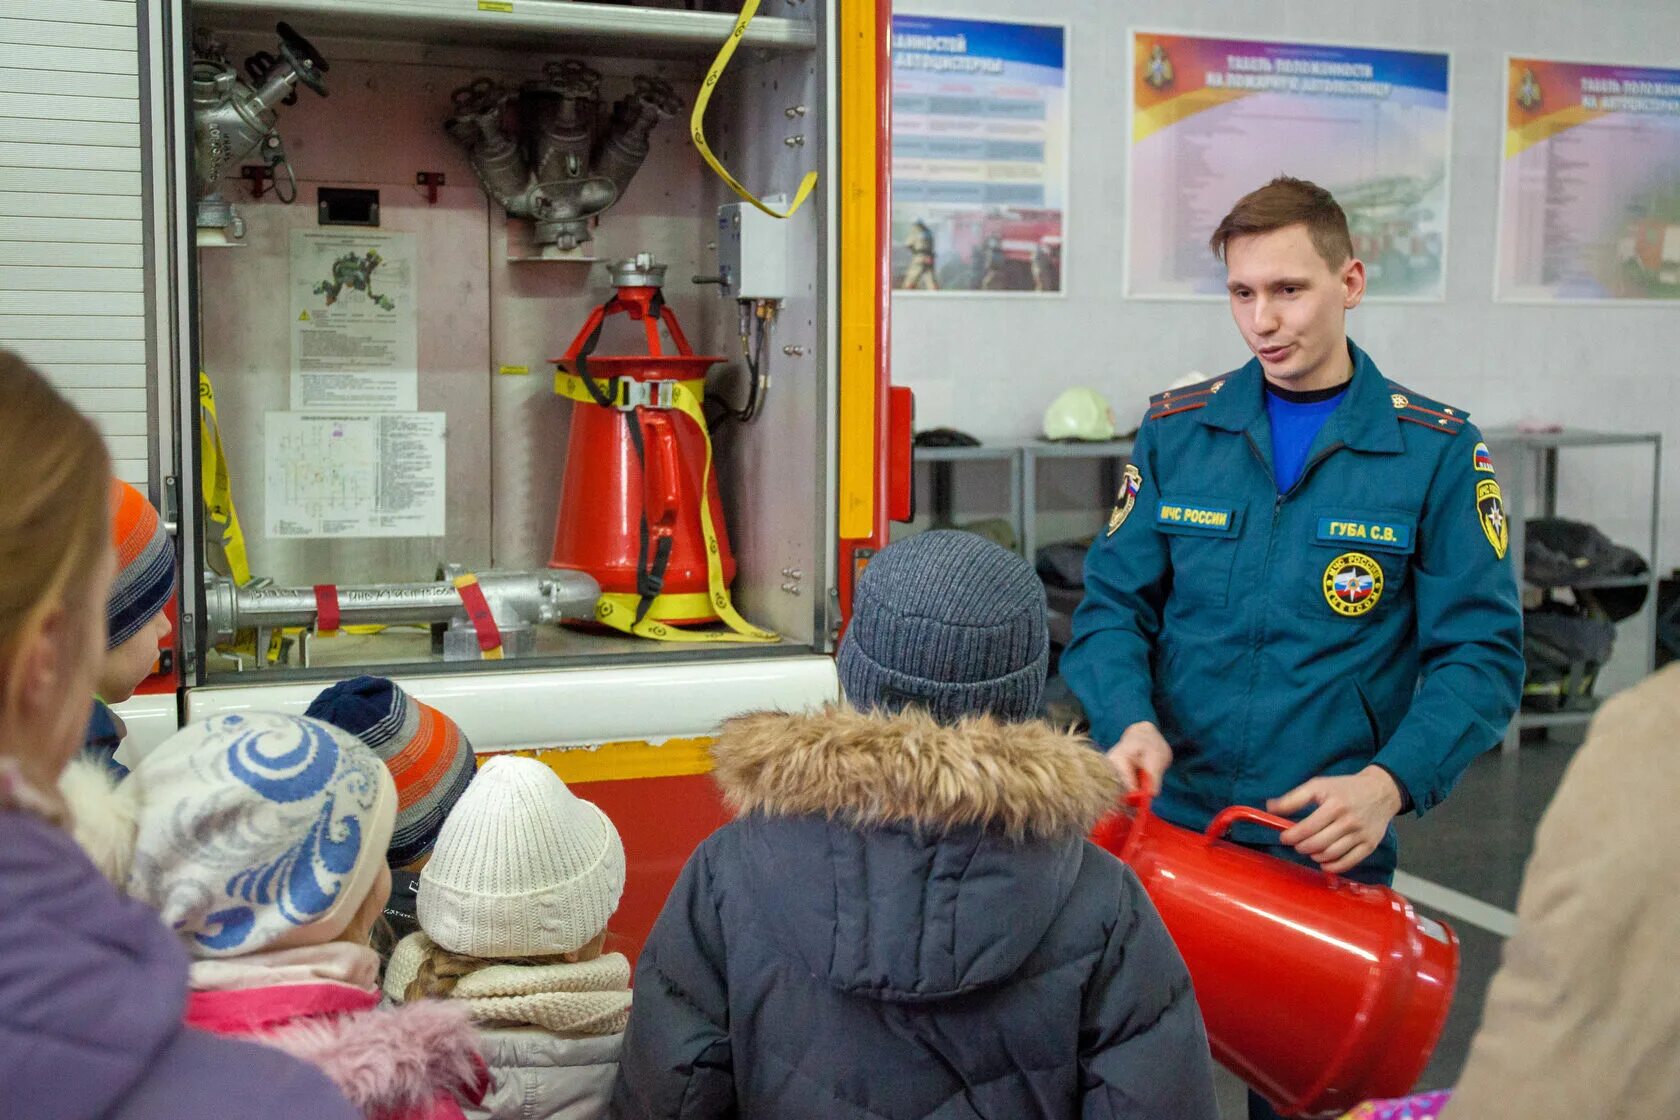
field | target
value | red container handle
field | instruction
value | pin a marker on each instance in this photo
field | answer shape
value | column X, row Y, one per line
column 1143, row 790
column 661, row 471
column 1221, row 824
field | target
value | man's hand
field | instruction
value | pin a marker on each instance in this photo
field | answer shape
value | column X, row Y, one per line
column 1142, row 747
column 1352, row 816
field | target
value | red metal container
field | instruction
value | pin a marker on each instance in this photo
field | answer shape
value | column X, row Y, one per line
column 608, row 487
column 1317, row 991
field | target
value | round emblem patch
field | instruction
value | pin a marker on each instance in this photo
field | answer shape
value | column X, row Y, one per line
column 1353, row 584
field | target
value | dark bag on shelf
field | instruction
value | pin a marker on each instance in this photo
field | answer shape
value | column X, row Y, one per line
column 1558, row 552
column 1564, row 649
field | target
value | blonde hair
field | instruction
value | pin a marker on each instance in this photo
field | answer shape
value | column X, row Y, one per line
column 55, row 513
column 440, row 970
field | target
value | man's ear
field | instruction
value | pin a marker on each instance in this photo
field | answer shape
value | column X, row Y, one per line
column 1353, row 283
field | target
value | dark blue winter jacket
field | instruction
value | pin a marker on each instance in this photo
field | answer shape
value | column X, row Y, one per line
column 906, row 921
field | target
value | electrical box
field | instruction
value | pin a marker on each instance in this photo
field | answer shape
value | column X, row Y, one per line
column 752, row 251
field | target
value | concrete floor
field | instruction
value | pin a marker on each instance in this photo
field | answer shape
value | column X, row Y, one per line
column 1475, row 843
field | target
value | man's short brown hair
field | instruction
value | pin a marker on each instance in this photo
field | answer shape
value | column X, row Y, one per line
column 1285, row 202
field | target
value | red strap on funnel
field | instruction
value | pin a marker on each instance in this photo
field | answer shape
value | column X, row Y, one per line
column 326, row 608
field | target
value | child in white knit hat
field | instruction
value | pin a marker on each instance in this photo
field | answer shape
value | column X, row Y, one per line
column 260, row 839
column 513, row 914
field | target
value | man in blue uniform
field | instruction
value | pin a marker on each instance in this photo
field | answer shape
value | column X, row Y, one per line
column 1302, row 598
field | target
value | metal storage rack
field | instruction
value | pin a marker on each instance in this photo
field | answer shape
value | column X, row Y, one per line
column 1528, row 464
column 1024, row 459
column 1113, row 454
column 941, row 465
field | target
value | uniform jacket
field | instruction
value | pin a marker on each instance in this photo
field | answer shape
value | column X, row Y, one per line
column 1368, row 615
column 541, row 1076
column 1583, row 1015
column 408, row 1063
column 92, row 988
column 906, row 921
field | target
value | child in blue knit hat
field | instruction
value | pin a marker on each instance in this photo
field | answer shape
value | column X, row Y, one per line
column 430, row 759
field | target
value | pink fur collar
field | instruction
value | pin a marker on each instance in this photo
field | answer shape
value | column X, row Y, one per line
column 388, row 1062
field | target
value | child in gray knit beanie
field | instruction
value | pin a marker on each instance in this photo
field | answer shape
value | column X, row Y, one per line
column 905, row 917
column 952, row 623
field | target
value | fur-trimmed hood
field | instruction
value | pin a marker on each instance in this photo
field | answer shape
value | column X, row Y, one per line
column 900, row 859
column 1023, row 779
column 104, row 816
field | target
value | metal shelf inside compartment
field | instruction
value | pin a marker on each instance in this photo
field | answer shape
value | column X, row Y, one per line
column 535, row 25
column 1555, row 719
column 1595, row 584
column 408, row 649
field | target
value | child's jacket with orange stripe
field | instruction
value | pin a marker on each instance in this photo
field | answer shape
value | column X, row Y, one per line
column 1367, row 615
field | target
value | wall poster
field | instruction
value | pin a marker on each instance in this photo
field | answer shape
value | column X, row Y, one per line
column 1589, row 191
column 1213, row 118
column 980, row 155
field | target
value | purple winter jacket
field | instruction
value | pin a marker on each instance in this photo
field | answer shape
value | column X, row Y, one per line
column 92, row 990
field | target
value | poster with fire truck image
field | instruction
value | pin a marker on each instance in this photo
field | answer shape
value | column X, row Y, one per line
column 1589, row 192
column 980, row 155
column 1213, row 118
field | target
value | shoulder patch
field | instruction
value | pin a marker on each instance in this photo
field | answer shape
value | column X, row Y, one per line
column 1187, row 399
column 1422, row 410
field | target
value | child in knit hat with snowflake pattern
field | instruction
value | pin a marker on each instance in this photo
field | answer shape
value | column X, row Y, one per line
column 260, row 839
column 513, row 912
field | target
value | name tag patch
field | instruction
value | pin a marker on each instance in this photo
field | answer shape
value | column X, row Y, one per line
column 1377, row 534
column 1202, row 518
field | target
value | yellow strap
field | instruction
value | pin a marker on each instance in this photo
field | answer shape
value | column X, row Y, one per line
column 218, row 488
column 571, row 386
column 618, row 609
column 696, row 121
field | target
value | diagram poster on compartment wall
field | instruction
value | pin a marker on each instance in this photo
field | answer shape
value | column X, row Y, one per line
column 355, row 321
column 980, row 155
column 370, row 475
column 1212, row 119
column 1589, row 194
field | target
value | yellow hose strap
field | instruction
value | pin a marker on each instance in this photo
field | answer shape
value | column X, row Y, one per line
column 696, row 121
column 571, row 386
column 618, row 609
column 218, row 488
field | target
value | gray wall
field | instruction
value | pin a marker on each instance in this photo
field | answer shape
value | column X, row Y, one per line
column 990, row 364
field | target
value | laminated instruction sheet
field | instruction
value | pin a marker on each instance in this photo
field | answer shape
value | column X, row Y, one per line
column 355, row 321
column 368, row 475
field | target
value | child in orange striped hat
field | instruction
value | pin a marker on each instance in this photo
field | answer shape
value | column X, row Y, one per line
column 134, row 614
column 428, row 756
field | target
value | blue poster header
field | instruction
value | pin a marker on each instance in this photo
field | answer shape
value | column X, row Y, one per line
column 973, row 38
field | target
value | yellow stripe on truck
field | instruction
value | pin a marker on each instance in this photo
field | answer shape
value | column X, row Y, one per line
column 859, row 124
column 622, row 761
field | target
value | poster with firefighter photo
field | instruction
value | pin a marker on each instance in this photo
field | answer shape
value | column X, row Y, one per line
column 1589, row 192
column 1214, row 118
column 980, row 155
